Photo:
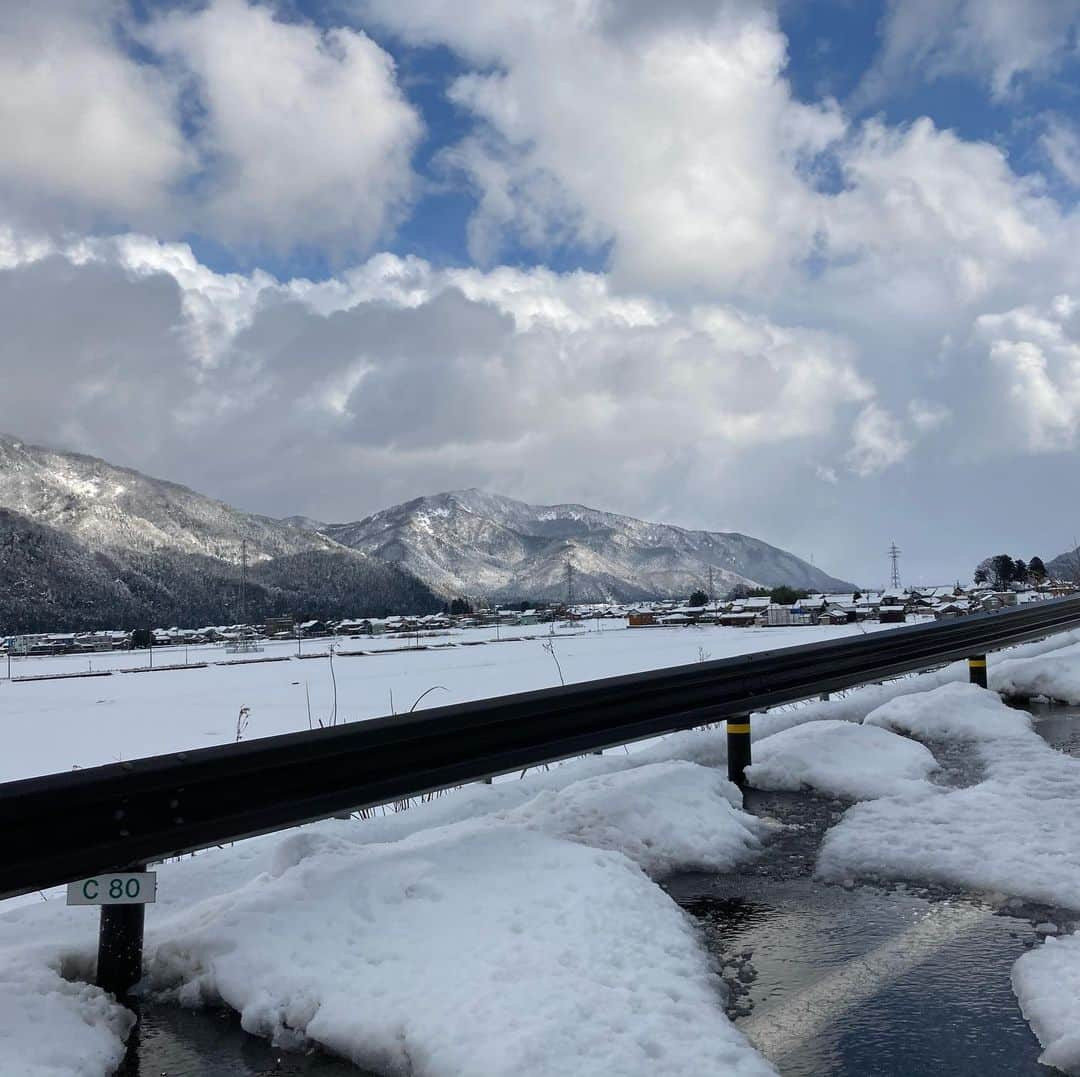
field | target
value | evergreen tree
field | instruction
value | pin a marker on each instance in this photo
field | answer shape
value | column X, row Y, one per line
column 785, row 596
column 698, row 598
column 1004, row 570
column 1037, row 570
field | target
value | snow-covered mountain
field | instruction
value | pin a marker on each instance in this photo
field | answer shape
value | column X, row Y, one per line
column 85, row 544
column 107, row 507
column 469, row 542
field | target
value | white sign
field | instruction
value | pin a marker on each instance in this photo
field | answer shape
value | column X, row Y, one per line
column 125, row 888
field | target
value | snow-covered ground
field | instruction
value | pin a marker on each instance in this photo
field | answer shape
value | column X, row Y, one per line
column 516, row 928
column 53, row 725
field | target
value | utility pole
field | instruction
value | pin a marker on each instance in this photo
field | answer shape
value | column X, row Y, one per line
column 243, row 581
column 894, row 558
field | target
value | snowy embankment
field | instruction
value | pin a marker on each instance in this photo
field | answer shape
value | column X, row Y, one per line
column 524, row 937
column 514, row 928
column 1053, row 676
column 1017, row 832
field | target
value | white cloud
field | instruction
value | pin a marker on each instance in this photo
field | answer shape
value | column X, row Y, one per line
column 304, row 135
column 1061, row 144
column 1034, row 357
column 86, row 131
column 264, row 135
column 928, row 218
column 678, row 141
column 878, row 442
column 1000, row 42
column 927, row 415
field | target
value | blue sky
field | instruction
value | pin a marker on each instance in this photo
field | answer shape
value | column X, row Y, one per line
column 801, row 270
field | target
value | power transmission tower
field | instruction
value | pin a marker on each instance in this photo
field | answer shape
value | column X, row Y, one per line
column 712, row 595
column 894, row 557
column 569, row 572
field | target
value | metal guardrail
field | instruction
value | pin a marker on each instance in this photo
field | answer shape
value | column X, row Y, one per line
column 65, row 826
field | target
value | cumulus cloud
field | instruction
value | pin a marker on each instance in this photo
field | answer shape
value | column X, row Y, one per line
column 678, row 142
column 88, row 133
column 304, row 137
column 1033, row 355
column 266, row 135
column 1000, row 42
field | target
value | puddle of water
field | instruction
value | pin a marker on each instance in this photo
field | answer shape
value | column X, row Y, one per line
column 174, row 1042
column 867, row 981
column 1057, row 724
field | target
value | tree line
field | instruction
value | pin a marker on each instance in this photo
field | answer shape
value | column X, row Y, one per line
column 1001, row 570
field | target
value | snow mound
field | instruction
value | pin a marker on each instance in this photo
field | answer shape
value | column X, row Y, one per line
column 479, row 948
column 835, row 757
column 664, row 816
column 952, row 712
column 1047, row 985
column 1017, row 832
column 1055, row 675
column 53, row 1028
column 515, row 932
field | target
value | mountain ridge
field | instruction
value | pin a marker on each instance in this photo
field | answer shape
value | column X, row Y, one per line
column 473, row 542
column 153, row 549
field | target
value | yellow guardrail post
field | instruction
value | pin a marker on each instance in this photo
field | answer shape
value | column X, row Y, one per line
column 738, row 748
column 977, row 670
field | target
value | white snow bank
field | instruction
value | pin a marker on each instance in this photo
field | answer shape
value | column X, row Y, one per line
column 663, row 816
column 1055, row 675
column 1047, row 985
column 841, row 759
column 489, row 946
column 952, row 712
column 1016, row 833
column 479, row 949
column 52, row 1028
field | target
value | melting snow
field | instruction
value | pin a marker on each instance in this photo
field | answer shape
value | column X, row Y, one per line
column 1047, row 986
column 840, row 759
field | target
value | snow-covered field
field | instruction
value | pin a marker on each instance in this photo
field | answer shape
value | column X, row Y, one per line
column 53, row 725
column 516, row 928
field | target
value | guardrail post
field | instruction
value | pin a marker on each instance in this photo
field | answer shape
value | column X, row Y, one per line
column 120, row 946
column 738, row 748
column 977, row 670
